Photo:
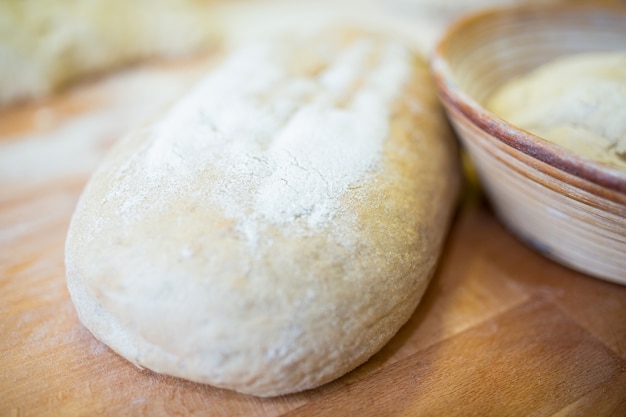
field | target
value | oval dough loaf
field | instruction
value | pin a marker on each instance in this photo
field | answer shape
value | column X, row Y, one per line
column 277, row 226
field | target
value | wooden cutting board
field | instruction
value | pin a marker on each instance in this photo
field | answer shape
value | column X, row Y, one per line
column 501, row 331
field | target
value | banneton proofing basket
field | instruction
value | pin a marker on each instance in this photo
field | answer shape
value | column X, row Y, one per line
column 569, row 207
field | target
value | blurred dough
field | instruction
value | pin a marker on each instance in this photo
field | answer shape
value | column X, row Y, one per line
column 46, row 44
column 577, row 101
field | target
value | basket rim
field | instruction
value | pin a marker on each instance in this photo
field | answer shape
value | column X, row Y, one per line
column 611, row 180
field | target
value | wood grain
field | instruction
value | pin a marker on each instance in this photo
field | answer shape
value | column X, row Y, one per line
column 501, row 330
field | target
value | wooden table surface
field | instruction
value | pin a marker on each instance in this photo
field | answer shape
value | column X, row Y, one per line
column 501, row 331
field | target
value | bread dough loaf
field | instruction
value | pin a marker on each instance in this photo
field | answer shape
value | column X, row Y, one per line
column 47, row 44
column 577, row 101
column 277, row 226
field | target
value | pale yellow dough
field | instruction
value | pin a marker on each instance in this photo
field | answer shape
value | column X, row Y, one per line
column 278, row 225
column 577, row 101
column 45, row 45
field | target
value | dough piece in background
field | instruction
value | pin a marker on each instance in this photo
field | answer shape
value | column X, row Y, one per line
column 45, row 45
column 276, row 227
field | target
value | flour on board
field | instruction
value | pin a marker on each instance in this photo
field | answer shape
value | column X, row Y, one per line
column 76, row 144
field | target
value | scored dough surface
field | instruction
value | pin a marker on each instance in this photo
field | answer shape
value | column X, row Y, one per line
column 274, row 252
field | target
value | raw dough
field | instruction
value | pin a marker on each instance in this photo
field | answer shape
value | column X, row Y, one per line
column 277, row 226
column 577, row 101
column 47, row 44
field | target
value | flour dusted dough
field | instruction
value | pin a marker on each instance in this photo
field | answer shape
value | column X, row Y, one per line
column 276, row 227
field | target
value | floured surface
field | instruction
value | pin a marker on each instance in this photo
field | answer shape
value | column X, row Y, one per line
column 57, row 146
